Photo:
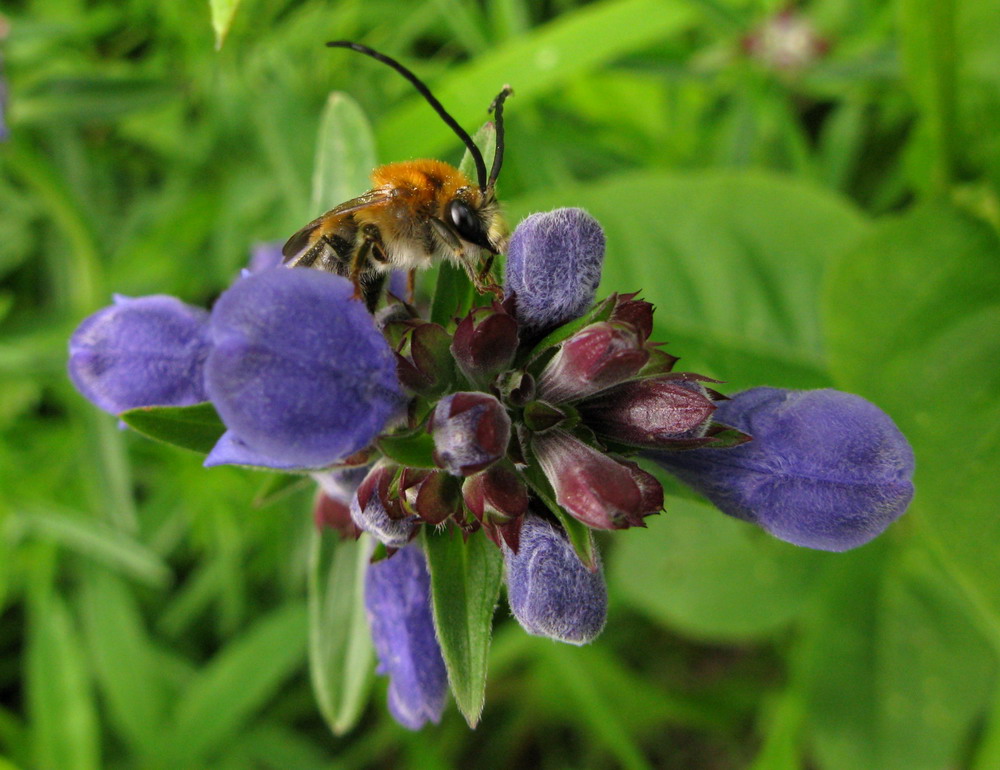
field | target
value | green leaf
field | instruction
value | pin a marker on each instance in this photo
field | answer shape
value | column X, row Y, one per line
column 63, row 713
column 486, row 140
column 223, row 12
column 711, row 576
column 415, row 450
column 452, row 295
column 732, row 260
column 912, row 316
column 345, row 153
column 534, row 64
column 227, row 692
column 341, row 656
column 195, row 427
column 465, row 586
column 124, row 661
column 94, row 539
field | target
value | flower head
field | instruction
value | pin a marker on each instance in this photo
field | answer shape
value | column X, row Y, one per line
column 147, row 351
column 825, row 469
column 297, row 369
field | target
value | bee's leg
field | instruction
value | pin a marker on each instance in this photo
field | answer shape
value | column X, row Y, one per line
column 360, row 273
column 411, row 285
column 371, row 288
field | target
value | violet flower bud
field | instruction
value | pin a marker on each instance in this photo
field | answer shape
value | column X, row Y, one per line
column 599, row 491
column 649, row 412
column 332, row 507
column 550, row 591
column 471, row 431
column 596, row 357
column 485, row 343
column 498, row 494
column 636, row 312
column 434, row 496
column 298, row 371
column 380, row 513
column 825, row 469
column 424, row 357
column 554, row 266
column 147, row 351
column 398, row 604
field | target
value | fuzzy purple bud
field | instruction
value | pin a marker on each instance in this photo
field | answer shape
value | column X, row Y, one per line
column 596, row 357
column 147, row 351
column 471, row 431
column 825, row 469
column 649, row 412
column 550, row 591
column 554, row 266
column 398, row 603
column 596, row 489
column 378, row 512
column 298, row 371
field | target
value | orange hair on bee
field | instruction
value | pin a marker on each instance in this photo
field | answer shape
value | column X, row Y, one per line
column 497, row 106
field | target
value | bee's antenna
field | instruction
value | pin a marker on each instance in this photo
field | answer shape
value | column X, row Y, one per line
column 497, row 109
column 424, row 91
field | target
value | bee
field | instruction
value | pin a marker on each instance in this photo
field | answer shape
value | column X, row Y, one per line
column 417, row 213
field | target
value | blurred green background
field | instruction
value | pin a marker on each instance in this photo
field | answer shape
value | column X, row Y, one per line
column 810, row 198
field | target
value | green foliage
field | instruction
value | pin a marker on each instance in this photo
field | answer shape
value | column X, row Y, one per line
column 833, row 224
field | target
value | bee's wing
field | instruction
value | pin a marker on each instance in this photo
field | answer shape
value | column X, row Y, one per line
column 303, row 238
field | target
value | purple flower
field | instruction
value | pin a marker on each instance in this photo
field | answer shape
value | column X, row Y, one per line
column 825, row 469
column 596, row 357
column 265, row 255
column 148, row 351
column 398, row 603
column 550, row 591
column 380, row 513
column 471, row 431
column 554, row 266
column 298, row 372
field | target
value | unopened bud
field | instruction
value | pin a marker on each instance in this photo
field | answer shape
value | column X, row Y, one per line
column 471, row 431
column 596, row 357
column 485, row 343
column 378, row 512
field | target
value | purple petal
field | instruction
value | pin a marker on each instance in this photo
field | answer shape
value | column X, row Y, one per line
column 550, row 591
column 148, row 351
column 230, row 450
column 825, row 469
column 398, row 603
column 298, row 370
column 554, row 266
column 265, row 255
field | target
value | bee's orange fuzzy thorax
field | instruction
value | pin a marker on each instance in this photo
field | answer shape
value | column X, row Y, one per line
column 433, row 179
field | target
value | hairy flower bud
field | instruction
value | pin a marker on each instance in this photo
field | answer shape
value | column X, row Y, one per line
column 596, row 357
column 599, row 491
column 648, row 413
column 379, row 512
column 825, row 469
column 398, row 604
column 471, row 431
column 554, row 266
column 423, row 357
column 485, row 343
column 550, row 591
column 332, row 507
column 147, row 351
column 434, row 496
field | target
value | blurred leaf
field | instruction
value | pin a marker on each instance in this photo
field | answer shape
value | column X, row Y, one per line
column 912, row 315
column 345, row 153
column 91, row 98
column 733, row 262
column 95, row 539
column 223, row 12
column 711, row 576
column 533, row 64
column 196, row 427
column 415, row 450
column 64, row 716
column 893, row 667
column 227, row 692
column 465, row 586
column 123, row 661
column 341, row 655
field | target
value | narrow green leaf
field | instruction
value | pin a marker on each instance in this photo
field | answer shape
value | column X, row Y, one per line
column 196, row 427
column 123, row 661
column 94, row 539
column 63, row 714
column 223, row 12
column 341, row 655
column 236, row 684
column 345, row 153
column 465, row 586
column 277, row 486
column 415, row 450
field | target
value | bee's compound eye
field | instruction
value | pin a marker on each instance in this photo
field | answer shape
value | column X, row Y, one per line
column 466, row 223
